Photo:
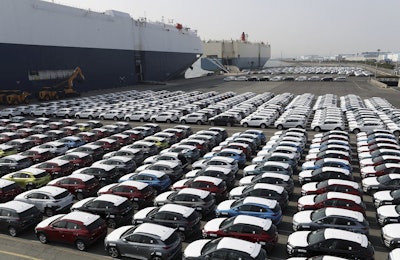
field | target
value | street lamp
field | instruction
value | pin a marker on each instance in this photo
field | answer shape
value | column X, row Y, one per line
column 376, row 64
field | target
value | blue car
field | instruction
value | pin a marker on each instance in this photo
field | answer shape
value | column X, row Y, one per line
column 238, row 155
column 259, row 133
column 72, row 141
column 327, row 162
column 251, row 206
column 156, row 179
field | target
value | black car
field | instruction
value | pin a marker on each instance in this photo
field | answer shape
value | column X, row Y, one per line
column 226, row 120
column 116, row 210
column 94, row 150
column 16, row 216
column 330, row 241
column 106, row 174
column 123, row 163
column 185, row 219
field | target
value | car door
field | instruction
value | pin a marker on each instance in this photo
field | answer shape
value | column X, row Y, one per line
column 57, row 231
column 130, row 244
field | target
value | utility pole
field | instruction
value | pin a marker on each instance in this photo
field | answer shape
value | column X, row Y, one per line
column 376, row 64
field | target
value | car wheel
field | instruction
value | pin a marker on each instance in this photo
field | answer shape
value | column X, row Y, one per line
column 338, row 128
column 29, row 187
column 43, row 115
column 135, row 205
column 199, row 122
column 356, row 131
column 77, row 117
column 280, row 127
column 42, row 238
column 115, row 118
column 228, row 124
column 66, row 116
column 79, row 196
column 154, row 120
column 12, row 231
column 396, row 133
column 183, row 121
column 156, row 258
column 113, row 251
column 182, row 236
column 263, row 126
column 245, row 124
column 49, row 212
column 317, row 129
column 168, row 121
column 141, row 119
column 102, row 117
column 80, row 245
column 111, row 223
column 90, row 117
column 212, row 123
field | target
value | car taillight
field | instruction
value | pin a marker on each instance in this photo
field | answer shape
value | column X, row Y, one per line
column 166, row 247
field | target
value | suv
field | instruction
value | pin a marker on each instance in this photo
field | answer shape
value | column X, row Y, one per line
column 16, row 216
column 226, row 120
column 14, row 162
column 185, row 219
column 146, row 241
column 94, row 150
column 38, row 155
column 116, row 210
column 56, row 167
column 80, row 185
column 29, row 178
column 106, row 174
column 8, row 190
column 48, row 199
column 79, row 228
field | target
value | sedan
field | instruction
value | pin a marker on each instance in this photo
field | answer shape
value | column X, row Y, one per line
column 388, row 214
column 386, row 197
column 385, row 182
column 270, row 178
column 324, row 173
column 339, row 185
column 328, row 162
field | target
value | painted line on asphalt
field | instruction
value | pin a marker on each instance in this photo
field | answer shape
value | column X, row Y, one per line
column 19, row 255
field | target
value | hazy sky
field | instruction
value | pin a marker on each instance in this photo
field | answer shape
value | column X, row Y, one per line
column 292, row 27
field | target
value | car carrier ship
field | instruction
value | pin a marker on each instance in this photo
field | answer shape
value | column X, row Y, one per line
column 42, row 44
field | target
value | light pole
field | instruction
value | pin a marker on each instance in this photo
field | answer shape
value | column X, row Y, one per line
column 376, row 64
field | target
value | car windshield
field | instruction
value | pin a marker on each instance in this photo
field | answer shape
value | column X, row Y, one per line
column 227, row 222
column 318, row 214
column 316, row 237
column 94, row 225
column 322, row 184
column 395, row 194
column 380, row 167
column 321, row 197
column 210, row 247
column 384, row 179
column 316, row 172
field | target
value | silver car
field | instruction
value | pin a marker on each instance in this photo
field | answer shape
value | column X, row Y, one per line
column 48, row 199
column 146, row 241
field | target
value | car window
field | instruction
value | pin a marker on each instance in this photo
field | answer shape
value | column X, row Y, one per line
column 60, row 224
column 72, row 225
column 218, row 255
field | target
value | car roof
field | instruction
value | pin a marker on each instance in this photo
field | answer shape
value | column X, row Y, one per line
column 250, row 248
column 52, row 190
column 156, row 173
column 214, row 180
column 137, row 184
column 342, row 195
column 201, row 193
column 361, row 239
column 18, row 206
column 84, row 217
column 222, row 158
column 182, row 210
column 262, row 201
column 274, row 175
column 57, row 161
column 344, row 212
column 265, row 224
column 115, row 199
column 161, row 231
column 278, row 189
column 31, row 170
column 344, row 182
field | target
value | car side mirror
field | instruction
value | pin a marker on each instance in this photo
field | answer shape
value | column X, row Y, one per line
column 124, row 240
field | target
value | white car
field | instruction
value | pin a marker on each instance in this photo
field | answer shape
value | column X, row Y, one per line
column 111, row 114
column 328, row 124
column 259, row 121
column 87, row 113
column 164, row 117
column 194, row 118
column 137, row 116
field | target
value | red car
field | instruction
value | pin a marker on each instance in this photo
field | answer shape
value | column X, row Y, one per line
column 140, row 193
column 331, row 199
column 56, row 167
column 70, row 130
column 39, row 138
column 253, row 229
column 107, row 144
column 135, row 135
column 122, row 139
column 87, row 137
column 78, row 159
column 38, row 155
column 55, row 125
column 25, row 132
column 8, row 190
column 79, row 184
column 101, row 132
column 216, row 186
column 339, row 185
column 78, row 228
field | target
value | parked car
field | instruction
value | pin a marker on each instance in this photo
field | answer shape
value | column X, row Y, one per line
column 271, row 178
column 338, row 185
column 8, row 190
column 78, row 228
column 106, row 174
column 29, row 178
column 385, row 182
column 79, row 185
column 159, row 180
column 146, row 241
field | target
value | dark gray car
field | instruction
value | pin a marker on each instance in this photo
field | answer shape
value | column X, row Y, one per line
column 146, row 241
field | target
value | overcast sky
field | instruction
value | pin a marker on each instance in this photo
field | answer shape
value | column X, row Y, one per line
column 292, row 27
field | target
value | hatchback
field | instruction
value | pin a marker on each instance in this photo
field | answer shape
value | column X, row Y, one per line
column 145, row 241
column 29, row 178
column 185, row 219
column 78, row 228
column 106, row 174
column 136, row 154
column 17, row 216
column 330, row 241
column 8, row 190
column 389, row 181
column 270, row 178
column 95, row 151
column 116, row 210
column 79, row 185
column 244, row 227
column 124, row 164
column 216, row 186
column 56, row 167
column 159, row 180
column 48, row 199
column 324, row 173
column 338, row 185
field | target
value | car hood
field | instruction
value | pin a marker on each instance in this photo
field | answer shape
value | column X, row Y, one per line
column 246, row 180
column 306, row 200
column 307, row 165
column 250, row 168
column 257, row 160
column 391, row 230
column 150, row 159
column 370, row 181
column 368, row 169
column 163, row 196
column 225, row 205
column 237, row 191
column 180, row 183
column 116, row 234
column 364, row 155
column 311, row 157
column 366, row 161
column 302, row 217
column 213, row 225
column 387, row 211
column 312, row 186
column 305, row 174
column 298, row 239
column 383, row 195
column 141, row 214
column 194, row 249
column 47, row 221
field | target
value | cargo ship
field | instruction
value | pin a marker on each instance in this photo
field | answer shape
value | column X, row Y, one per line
column 220, row 55
column 43, row 43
